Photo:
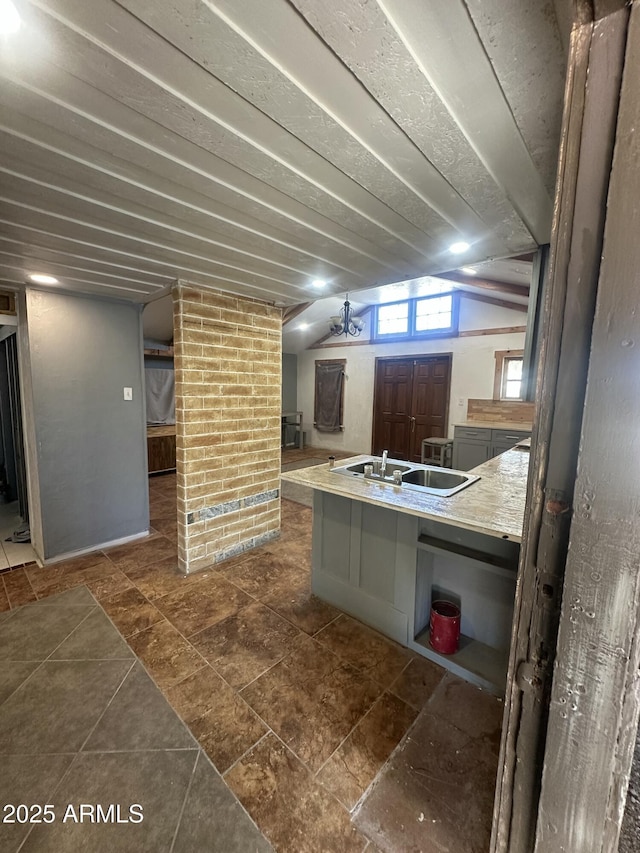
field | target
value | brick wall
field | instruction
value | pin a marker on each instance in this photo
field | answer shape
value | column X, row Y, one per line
column 228, row 379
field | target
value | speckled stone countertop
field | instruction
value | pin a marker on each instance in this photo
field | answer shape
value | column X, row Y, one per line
column 494, row 505
column 520, row 427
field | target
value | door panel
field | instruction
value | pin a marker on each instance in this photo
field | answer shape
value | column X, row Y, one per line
column 392, row 406
column 430, row 405
column 411, row 402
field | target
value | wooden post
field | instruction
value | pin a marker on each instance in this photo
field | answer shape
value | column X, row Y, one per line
column 591, row 100
column 595, row 698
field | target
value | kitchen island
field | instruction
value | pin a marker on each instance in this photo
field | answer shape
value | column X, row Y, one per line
column 383, row 552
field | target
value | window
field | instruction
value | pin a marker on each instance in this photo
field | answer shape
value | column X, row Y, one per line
column 428, row 316
column 393, row 319
column 507, row 383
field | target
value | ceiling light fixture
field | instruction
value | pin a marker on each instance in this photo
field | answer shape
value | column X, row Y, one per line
column 303, row 326
column 319, row 283
column 459, row 248
column 9, row 18
column 41, row 278
column 468, row 271
column 346, row 323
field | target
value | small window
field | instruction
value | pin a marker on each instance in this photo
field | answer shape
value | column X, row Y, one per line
column 393, row 319
column 427, row 316
column 435, row 313
column 507, row 384
column 512, row 379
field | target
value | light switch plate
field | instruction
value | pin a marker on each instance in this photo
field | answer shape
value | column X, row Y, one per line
column 128, row 393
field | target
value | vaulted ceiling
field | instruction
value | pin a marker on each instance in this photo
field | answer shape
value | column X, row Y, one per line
column 257, row 145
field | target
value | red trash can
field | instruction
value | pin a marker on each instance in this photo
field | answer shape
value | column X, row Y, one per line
column 444, row 627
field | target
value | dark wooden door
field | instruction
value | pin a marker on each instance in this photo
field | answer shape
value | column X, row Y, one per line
column 392, row 406
column 430, row 402
column 411, row 402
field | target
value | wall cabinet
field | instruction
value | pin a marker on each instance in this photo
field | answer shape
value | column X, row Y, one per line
column 474, row 445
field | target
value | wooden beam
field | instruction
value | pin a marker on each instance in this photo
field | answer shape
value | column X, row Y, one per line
column 368, row 309
column 563, row 808
column 499, row 330
column 528, row 258
column 293, row 311
column 490, row 300
column 485, row 283
column 595, row 698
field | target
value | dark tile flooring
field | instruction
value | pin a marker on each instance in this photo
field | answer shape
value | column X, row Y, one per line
column 297, row 705
column 82, row 724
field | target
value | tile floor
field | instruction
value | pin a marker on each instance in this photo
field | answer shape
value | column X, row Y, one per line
column 81, row 722
column 12, row 553
column 297, row 705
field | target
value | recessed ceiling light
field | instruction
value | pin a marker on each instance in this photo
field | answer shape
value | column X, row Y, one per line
column 9, row 18
column 303, row 326
column 459, row 248
column 41, row 278
column 468, row 271
column 319, row 283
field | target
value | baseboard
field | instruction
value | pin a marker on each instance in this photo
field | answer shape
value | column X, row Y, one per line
column 113, row 543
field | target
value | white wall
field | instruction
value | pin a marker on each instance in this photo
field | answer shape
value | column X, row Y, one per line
column 472, row 373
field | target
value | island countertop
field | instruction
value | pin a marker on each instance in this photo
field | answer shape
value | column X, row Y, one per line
column 494, row 505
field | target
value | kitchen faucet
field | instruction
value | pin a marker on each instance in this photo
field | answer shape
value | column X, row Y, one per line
column 383, row 465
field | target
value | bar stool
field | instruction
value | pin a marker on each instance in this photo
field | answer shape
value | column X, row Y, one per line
column 437, row 451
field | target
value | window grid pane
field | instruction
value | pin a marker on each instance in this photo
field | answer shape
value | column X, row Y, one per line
column 512, row 390
column 393, row 319
column 514, row 369
column 512, row 378
column 433, row 314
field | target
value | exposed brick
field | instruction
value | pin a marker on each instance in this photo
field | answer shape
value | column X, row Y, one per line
column 228, row 364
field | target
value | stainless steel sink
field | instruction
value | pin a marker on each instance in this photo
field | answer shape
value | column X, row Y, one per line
column 428, row 479
column 358, row 468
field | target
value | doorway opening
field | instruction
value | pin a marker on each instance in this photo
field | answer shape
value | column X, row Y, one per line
column 15, row 534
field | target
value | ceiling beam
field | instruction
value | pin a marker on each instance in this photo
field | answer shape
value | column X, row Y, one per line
column 486, row 284
column 293, row 311
column 491, row 300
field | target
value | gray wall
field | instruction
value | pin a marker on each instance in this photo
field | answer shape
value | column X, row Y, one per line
column 90, row 443
column 289, row 382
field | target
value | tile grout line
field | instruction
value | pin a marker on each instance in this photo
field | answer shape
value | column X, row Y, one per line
column 186, row 797
column 312, row 776
column 75, row 756
column 351, row 731
column 73, row 630
column 248, row 750
column 107, row 706
column 43, row 660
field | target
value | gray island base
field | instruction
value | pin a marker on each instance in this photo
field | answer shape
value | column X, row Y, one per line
column 383, row 555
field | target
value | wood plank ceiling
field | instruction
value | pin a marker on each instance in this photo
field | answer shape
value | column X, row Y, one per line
column 257, row 145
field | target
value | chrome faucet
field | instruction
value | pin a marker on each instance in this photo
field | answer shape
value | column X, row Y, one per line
column 383, row 465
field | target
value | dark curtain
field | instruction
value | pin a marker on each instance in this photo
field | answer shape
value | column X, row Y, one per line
column 327, row 414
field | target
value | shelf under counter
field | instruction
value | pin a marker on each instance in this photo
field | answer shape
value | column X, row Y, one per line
column 474, row 661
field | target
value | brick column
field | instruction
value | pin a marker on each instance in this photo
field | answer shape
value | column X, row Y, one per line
column 228, row 368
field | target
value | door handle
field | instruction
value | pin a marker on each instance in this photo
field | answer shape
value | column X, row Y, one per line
column 413, row 424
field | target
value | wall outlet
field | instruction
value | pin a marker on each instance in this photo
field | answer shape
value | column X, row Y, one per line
column 128, row 393
column 461, row 402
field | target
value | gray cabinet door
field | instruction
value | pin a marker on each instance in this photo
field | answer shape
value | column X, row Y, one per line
column 467, row 453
